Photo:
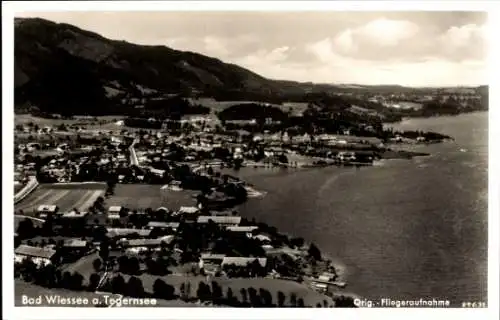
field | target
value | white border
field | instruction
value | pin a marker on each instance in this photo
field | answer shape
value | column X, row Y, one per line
column 8, row 10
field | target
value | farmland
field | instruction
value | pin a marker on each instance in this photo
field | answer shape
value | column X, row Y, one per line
column 236, row 284
column 65, row 196
column 141, row 196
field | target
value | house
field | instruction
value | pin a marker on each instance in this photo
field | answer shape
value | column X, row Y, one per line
column 74, row 215
column 211, row 263
column 129, row 243
column 164, row 225
column 121, row 232
column 44, row 210
column 76, row 248
column 242, row 229
column 263, row 239
column 242, row 261
column 115, row 210
column 76, row 244
column 40, row 256
column 220, row 220
column 320, row 287
column 187, row 210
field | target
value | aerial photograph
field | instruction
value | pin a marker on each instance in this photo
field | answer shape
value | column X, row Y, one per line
column 263, row 159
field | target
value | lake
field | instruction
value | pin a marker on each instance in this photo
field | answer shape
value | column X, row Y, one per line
column 404, row 229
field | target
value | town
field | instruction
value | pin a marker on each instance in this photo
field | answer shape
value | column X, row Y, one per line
column 146, row 205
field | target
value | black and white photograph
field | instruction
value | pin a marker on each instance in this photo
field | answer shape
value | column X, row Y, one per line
column 169, row 158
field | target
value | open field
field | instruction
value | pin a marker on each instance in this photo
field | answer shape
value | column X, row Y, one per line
column 18, row 218
column 83, row 266
column 141, row 196
column 107, row 123
column 216, row 106
column 310, row 297
column 22, row 288
column 65, row 196
column 41, row 122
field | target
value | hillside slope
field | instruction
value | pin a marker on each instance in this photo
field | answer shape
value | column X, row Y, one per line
column 59, row 66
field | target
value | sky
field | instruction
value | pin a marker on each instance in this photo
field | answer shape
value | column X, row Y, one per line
column 407, row 48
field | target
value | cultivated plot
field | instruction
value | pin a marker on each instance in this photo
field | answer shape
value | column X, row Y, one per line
column 141, row 196
column 66, row 197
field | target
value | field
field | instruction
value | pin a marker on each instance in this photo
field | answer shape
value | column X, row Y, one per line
column 41, row 122
column 65, row 196
column 22, row 288
column 216, row 106
column 17, row 219
column 141, row 196
column 310, row 297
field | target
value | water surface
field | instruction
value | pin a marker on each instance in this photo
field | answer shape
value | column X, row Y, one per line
column 404, row 228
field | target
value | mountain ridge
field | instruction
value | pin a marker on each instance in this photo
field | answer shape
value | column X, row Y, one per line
column 60, row 66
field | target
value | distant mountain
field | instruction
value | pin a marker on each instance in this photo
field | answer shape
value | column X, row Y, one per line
column 60, row 68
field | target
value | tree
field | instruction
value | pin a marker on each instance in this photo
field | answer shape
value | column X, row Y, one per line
column 158, row 288
column 135, row 288
column 216, row 292
column 97, row 264
column 297, row 242
column 123, row 264
column 58, row 278
column 254, row 297
column 300, row 303
column 314, row 252
column 231, row 301
column 244, row 295
column 344, row 302
column 26, row 229
column 281, row 299
column 66, row 280
column 203, row 291
column 182, row 290
column 267, row 298
column 76, row 281
column 293, row 299
column 134, row 266
column 104, row 248
column 118, row 284
column 162, row 290
column 93, row 282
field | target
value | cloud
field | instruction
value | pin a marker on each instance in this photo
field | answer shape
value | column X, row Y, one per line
column 464, row 42
column 376, row 33
column 412, row 48
column 465, row 35
column 216, row 46
column 387, row 32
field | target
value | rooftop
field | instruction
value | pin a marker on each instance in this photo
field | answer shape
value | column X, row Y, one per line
column 37, row 252
column 243, row 261
column 219, row 219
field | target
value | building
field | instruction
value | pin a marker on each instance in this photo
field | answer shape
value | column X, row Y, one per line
column 115, row 210
column 40, row 256
column 243, row 261
column 211, row 263
column 44, row 210
column 263, row 238
column 242, row 229
column 122, row 232
column 75, row 248
column 163, row 225
column 188, row 210
column 220, row 220
column 148, row 243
